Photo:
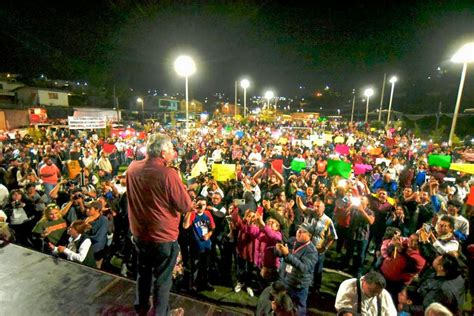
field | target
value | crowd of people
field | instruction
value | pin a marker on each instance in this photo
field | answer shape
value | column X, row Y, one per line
column 396, row 222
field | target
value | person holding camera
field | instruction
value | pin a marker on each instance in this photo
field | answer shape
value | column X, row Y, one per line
column 202, row 223
column 361, row 218
column 324, row 235
column 35, row 197
column 444, row 240
column 268, row 234
column 98, row 231
column 218, row 210
column 299, row 258
column 21, row 216
column 210, row 188
column 461, row 224
column 77, row 210
column 399, row 220
column 268, row 178
column 402, row 263
column 443, row 284
column 245, row 246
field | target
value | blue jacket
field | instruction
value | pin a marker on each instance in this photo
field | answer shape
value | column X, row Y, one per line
column 98, row 233
column 390, row 187
column 297, row 267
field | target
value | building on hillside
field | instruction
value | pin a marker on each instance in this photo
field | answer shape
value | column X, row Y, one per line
column 29, row 96
column 8, row 85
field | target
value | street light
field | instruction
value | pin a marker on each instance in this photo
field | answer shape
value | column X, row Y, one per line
column 269, row 95
column 353, row 104
column 392, row 80
column 368, row 93
column 140, row 100
column 464, row 55
column 185, row 67
column 244, row 83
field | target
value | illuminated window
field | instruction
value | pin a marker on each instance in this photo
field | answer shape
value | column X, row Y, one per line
column 53, row 95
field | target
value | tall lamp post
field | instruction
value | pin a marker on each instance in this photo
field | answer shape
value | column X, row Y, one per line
column 464, row 55
column 353, row 104
column 393, row 80
column 185, row 67
column 244, row 83
column 368, row 93
column 269, row 95
column 140, row 100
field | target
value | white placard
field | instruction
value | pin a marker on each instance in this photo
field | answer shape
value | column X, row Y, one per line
column 86, row 122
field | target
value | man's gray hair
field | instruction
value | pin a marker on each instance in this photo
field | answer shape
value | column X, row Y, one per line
column 157, row 143
column 436, row 309
column 373, row 277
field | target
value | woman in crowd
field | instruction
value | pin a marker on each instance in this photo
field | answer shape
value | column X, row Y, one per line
column 20, row 215
column 50, row 228
column 79, row 247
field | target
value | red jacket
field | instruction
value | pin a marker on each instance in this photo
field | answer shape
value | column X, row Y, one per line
column 404, row 267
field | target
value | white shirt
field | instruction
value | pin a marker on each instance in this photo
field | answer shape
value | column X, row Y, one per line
column 255, row 157
column 445, row 246
column 81, row 253
column 346, row 298
column 461, row 224
column 3, row 195
column 217, row 155
column 89, row 162
column 121, row 188
column 461, row 193
column 219, row 212
column 205, row 191
column 18, row 216
column 3, row 215
column 120, row 146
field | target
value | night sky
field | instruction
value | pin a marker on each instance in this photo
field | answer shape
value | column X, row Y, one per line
column 276, row 45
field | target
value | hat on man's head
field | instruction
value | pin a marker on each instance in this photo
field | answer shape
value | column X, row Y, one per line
column 309, row 228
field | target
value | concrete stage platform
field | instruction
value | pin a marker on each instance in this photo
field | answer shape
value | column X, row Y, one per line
column 35, row 284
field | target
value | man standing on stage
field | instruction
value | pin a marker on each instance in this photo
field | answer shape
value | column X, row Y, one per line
column 156, row 197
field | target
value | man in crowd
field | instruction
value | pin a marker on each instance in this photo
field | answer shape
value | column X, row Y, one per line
column 299, row 261
column 324, row 235
column 364, row 296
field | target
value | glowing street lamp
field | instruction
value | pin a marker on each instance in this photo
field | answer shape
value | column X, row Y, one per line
column 368, row 93
column 464, row 55
column 392, row 80
column 140, row 100
column 269, row 95
column 185, row 67
column 244, row 83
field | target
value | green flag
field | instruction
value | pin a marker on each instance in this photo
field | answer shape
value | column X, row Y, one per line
column 443, row 161
column 298, row 164
column 339, row 168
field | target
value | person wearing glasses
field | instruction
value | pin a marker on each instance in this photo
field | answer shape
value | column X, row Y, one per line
column 444, row 241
